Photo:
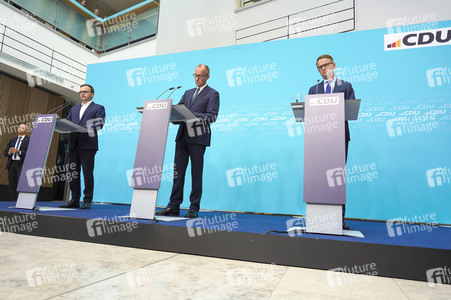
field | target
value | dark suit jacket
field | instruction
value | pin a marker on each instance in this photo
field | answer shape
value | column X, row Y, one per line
column 341, row 86
column 93, row 118
column 23, row 149
column 205, row 106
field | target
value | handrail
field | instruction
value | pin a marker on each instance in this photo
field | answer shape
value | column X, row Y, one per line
column 74, row 64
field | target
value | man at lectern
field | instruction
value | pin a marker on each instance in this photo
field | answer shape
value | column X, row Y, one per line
column 330, row 84
column 16, row 151
column 83, row 146
column 191, row 142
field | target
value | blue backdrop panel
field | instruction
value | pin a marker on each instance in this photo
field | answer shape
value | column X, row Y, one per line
column 398, row 163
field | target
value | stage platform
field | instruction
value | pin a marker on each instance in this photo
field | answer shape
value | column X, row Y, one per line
column 403, row 251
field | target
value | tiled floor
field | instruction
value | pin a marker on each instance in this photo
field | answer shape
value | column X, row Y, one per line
column 44, row 268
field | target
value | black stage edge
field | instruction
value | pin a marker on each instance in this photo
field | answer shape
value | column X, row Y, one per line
column 391, row 260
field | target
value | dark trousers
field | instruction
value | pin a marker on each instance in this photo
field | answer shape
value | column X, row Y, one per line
column 14, row 171
column 82, row 159
column 184, row 152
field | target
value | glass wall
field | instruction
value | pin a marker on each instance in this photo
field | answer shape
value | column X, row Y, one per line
column 102, row 35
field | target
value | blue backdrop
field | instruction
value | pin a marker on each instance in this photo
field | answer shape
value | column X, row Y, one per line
column 399, row 156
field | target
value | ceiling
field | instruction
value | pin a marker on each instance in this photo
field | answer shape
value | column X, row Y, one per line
column 110, row 7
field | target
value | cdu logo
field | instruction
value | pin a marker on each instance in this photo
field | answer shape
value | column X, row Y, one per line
column 44, row 120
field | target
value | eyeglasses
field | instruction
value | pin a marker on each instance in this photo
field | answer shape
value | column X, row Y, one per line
column 199, row 76
column 324, row 66
column 84, row 92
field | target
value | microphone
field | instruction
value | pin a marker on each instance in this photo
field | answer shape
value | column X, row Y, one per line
column 171, row 88
column 174, row 91
column 317, row 82
column 57, row 109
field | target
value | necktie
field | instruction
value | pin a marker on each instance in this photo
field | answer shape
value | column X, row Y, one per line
column 195, row 95
column 328, row 88
column 16, row 156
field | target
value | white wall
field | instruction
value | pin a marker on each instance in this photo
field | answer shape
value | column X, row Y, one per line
column 382, row 13
column 195, row 24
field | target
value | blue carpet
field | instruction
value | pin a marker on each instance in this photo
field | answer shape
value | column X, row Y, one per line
column 411, row 235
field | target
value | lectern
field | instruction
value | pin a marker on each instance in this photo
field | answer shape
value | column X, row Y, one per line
column 324, row 192
column 145, row 177
column 33, row 168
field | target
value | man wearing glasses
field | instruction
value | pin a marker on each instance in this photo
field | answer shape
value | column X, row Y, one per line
column 330, row 84
column 203, row 101
column 83, row 146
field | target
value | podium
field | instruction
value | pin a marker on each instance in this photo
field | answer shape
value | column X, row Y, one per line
column 145, row 177
column 33, row 169
column 324, row 191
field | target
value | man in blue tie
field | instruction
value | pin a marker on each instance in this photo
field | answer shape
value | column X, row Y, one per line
column 16, row 151
column 330, row 84
column 191, row 142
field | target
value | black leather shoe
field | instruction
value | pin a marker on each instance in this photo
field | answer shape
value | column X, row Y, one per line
column 71, row 204
column 345, row 226
column 169, row 211
column 86, row 205
column 191, row 214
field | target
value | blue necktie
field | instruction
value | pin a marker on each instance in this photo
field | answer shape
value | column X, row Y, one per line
column 16, row 155
column 195, row 95
column 328, row 88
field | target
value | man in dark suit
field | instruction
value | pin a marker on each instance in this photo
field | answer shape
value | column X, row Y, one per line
column 326, row 65
column 16, row 151
column 192, row 139
column 83, row 146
